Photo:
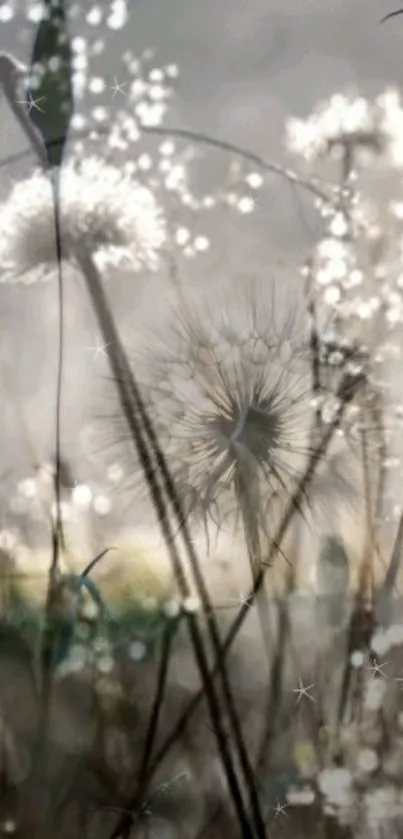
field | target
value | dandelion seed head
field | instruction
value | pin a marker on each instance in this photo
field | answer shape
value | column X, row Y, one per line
column 118, row 220
column 232, row 408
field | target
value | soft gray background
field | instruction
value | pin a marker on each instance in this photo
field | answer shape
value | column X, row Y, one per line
column 244, row 67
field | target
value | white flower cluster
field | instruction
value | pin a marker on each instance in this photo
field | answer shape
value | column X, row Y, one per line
column 102, row 207
column 348, row 120
column 358, row 264
column 357, row 271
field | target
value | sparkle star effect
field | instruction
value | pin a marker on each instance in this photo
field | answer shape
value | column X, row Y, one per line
column 118, row 88
column 242, row 600
column 31, row 103
column 376, row 669
column 303, row 691
column 279, row 809
column 99, row 349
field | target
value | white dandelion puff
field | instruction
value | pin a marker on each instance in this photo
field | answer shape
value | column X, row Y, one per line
column 102, row 208
column 233, row 413
column 349, row 120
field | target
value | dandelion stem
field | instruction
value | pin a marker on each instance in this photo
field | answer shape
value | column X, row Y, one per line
column 134, row 409
column 135, row 804
column 248, row 508
column 346, row 392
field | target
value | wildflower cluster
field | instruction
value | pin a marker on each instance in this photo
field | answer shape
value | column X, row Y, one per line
column 355, row 271
column 357, row 265
column 348, row 121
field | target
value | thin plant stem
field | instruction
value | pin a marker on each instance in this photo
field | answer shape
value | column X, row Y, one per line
column 346, row 393
column 249, row 515
column 57, row 526
column 155, row 712
column 270, row 167
column 314, row 345
column 135, row 803
column 133, row 409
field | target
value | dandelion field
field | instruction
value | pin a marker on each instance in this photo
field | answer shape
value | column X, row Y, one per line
column 201, row 621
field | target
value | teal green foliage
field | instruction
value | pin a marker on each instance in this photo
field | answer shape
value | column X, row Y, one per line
column 66, row 624
column 51, row 65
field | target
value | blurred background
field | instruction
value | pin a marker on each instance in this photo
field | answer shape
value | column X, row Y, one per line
column 244, row 68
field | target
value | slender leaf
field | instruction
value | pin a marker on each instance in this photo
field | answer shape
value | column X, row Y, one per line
column 50, row 80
